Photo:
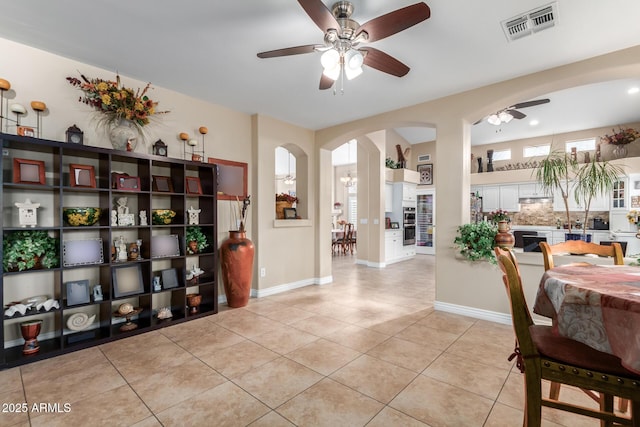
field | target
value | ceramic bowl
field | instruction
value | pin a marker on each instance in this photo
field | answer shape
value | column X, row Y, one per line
column 78, row 217
column 162, row 216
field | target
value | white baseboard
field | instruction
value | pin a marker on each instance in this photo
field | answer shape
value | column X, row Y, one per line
column 259, row 293
column 477, row 313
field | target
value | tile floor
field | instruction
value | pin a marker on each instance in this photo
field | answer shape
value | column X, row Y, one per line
column 367, row 349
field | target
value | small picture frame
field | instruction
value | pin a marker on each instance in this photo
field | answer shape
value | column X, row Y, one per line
column 82, row 252
column 26, row 131
column 290, row 213
column 127, row 280
column 165, row 246
column 426, row 174
column 77, row 292
column 395, row 225
column 82, row 176
column 193, row 185
column 169, row 278
column 27, row 171
column 124, row 182
column 162, row 184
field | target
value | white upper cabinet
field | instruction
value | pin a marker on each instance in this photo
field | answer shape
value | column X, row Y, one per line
column 490, row 198
column 531, row 189
column 509, row 196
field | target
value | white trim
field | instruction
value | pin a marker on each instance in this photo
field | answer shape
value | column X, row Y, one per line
column 477, row 313
column 260, row 293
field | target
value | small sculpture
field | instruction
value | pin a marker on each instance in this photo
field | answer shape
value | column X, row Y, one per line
column 28, row 213
column 114, row 218
column 194, row 273
column 156, row 284
column 402, row 161
column 133, row 251
column 97, row 293
column 121, row 247
column 48, row 305
column 80, row 321
column 194, row 218
column 124, row 217
column 143, row 217
column 16, row 308
column 139, row 243
column 164, row 313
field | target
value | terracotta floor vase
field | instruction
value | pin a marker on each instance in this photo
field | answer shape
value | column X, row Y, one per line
column 236, row 259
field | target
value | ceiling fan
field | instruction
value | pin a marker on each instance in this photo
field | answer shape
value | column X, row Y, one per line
column 342, row 35
column 509, row 113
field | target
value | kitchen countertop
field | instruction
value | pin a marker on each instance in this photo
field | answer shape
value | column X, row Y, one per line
column 550, row 228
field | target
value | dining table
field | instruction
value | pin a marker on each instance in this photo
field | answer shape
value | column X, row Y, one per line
column 598, row 305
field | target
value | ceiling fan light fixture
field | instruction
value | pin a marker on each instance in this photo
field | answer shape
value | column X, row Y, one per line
column 494, row 120
column 330, row 59
column 352, row 73
column 505, row 117
column 353, row 59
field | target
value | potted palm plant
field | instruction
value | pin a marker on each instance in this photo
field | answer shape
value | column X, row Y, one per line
column 594, row 179
column 555, row 172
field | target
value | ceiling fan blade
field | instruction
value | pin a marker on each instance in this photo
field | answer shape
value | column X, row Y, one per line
column 394, row 22
column 296, row 50
column 516, row 114
column 531, row 103
column 326, row 82
column 320, row 14
column 381, row 61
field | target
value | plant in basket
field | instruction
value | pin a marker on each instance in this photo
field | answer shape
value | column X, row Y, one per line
column 23, row 250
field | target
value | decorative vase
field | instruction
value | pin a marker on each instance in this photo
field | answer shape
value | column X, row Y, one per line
column 280, row 205
column 236, row 260
column 620, row 151
column 30, row 331
column 194, row 301
column 489, row 160
column 124, row 136
column 193, row 246
column 479, row 164
column 504, row 239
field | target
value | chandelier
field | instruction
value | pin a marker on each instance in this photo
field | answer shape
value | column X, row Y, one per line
column 289, row 179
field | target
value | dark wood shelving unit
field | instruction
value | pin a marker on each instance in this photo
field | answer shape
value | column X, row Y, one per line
column 57, row 192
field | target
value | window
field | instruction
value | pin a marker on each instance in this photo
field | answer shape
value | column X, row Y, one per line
column 502, row 155
column 536, row 150
column 581, row 145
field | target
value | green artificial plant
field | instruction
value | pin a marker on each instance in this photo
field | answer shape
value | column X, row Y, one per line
column 475, row 241
column 22, row 250
column 195, row 234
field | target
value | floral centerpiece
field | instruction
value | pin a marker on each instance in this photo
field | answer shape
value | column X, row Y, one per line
column 634, row 217
column 119, row 106
column 499, row 215
column 622, row 137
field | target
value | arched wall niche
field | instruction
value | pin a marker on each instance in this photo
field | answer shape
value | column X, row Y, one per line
column 302, row 177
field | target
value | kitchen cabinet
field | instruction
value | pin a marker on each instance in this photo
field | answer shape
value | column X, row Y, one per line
column 620, row 194
column 394, row 249
column 406, row 191
column 598, row 203
column 509, row 198
column 530, row 190
column 388, row 197
column 490, row 198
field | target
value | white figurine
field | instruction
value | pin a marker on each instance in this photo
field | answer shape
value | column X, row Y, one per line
column 156, row 284
column 28, row 213
column 124, row 217
column 122, row 249
column 143, row 217
column 194, row 218
column 97, row 293
column 122, row 206
column 114, row 218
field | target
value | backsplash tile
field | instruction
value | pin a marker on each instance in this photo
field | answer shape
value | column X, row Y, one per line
column 542, row 213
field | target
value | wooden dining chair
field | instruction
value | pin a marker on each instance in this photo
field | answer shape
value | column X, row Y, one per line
column 542, row 354
column 578, row 247
column 341, row 243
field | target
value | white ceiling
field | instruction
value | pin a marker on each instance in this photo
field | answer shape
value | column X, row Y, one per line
column 207, row 49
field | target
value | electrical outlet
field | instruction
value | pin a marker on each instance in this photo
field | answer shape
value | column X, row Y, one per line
column 263, row 272
column 5, row 152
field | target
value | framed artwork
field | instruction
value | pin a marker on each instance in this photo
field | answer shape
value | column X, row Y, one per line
column 162, row 184
column 82, row 252
column 77, row 292
column 165, row 246
column 395, row 225
column 426, row 174
column 290, row 213
column 635, row 202
column 124, row 182
column 27, row 171
column 193, row 185
column 82, row 176
column 127, row 280
column 26, row 131
column 169, row 278
column 232, row 179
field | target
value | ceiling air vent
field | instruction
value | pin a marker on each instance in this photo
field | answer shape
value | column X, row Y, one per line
column 530, row 22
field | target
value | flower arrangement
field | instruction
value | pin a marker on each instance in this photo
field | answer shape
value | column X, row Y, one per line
column 499, row 215
column 622, row 137
column 115, row 101
column 284, row 197
column 634, row 217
